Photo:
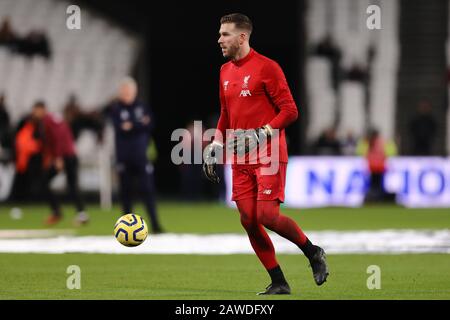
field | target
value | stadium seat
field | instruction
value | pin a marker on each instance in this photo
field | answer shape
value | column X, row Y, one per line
column 81, row 62
column 346, row 22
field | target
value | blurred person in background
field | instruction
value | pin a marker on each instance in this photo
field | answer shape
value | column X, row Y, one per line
column 376, row 150
column 27, row 183
column 133, row 122
column 59, row 155
column 348, row 144
column 423, row 129
column 327, row 144
column 8, row 37
column 5, row 132
column 328, row 49
column 192, row 181
column 35, row 43
column 78, row 120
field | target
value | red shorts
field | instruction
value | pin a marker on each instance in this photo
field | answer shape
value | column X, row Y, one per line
column 250, row 181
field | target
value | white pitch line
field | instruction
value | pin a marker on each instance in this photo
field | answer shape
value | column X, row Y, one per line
column 38, row 233
column 334, row 242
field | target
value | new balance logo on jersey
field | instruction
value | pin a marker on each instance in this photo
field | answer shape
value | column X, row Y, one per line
column 267, row 191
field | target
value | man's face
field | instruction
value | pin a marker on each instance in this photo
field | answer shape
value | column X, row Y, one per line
column 229, row 40
column 38, row 113
column 127, row 93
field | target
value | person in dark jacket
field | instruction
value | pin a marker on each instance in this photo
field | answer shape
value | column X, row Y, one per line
column 5, row 132
column 133, row 122
column 423, row 129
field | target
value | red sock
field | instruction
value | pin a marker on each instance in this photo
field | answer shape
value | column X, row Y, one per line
column 269, row 215
column 259, row 239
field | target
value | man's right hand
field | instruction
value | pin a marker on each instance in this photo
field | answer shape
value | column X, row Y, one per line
column 59, row 164
column 211, row 155
column 127, row 126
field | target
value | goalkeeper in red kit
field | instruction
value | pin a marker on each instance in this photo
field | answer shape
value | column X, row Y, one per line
column 256, row 106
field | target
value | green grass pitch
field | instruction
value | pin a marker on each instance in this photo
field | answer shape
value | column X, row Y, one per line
column 191, row 277
column 41, row 276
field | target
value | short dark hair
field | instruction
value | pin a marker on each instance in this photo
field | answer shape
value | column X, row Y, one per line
column 240, row 20
column 39, row 104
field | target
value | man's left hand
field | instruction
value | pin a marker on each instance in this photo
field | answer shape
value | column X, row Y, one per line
column 59, row 164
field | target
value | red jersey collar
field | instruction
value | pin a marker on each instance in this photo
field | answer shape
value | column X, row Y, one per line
column 240, row 62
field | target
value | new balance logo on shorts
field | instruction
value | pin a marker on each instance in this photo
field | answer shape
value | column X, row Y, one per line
column 267, row 191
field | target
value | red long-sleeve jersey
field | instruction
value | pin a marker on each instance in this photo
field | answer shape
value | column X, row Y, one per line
column 254, row 92
column 58, row 139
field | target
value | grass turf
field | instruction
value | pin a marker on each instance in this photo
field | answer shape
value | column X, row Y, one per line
column 216, row 218
column 191, row 277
